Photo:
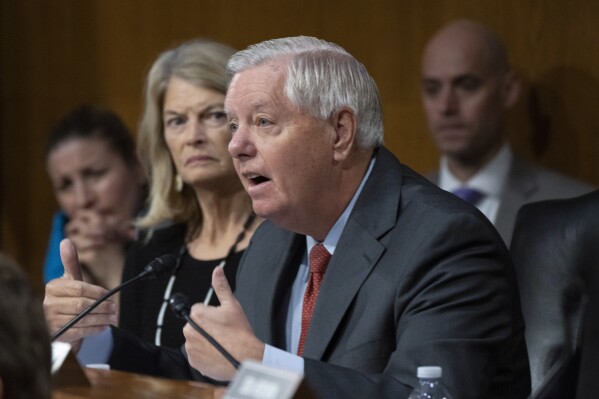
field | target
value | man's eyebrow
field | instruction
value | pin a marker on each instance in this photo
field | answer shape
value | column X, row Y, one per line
column 259, row 105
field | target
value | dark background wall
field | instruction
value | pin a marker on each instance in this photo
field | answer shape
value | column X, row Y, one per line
column 57, row 54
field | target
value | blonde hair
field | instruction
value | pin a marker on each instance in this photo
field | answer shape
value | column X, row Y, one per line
column 202, row 63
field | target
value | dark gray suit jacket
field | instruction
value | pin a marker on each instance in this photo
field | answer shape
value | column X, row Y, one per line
column 529, row 182
column 418, row 277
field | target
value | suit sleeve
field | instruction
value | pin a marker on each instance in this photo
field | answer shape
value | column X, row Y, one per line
column 135, row 355
column 132, row 354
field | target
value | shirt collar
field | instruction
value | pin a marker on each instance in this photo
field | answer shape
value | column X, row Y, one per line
column 332, row 238
column 490, row 180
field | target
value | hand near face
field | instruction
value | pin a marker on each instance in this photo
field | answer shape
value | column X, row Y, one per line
column 68, row 296
column 228, row 325
column 98, row 238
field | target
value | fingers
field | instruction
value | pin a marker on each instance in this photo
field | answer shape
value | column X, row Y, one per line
column 119, row 225
column 228, row 325
column 67, row 298
column 77, row 293
column 92, row 229
column 68, row 255
column 91, row 321
column 205, row 358
column 64, row 296
column 229, row 306
column 85, row 233
column 221, row 286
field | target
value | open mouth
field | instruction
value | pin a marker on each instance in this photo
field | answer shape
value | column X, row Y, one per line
column 258, row 179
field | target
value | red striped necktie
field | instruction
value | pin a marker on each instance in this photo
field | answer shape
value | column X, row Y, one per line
column 319, row 259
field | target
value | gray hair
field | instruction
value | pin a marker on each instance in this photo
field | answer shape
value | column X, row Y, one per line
column 322, row 78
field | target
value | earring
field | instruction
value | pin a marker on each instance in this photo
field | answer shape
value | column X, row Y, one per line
column 178, row 183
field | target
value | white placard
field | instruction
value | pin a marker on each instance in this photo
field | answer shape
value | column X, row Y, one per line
column 60, row 350
column 257, row 381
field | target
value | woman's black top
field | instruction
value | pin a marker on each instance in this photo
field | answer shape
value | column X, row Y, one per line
column 141, row 301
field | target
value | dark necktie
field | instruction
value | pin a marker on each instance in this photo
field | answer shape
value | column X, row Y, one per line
column 469, row 195
column 319, row 259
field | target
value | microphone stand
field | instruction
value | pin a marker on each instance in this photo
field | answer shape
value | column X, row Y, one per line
column 158, row 266
column 213, row 342
column 91, row 307
column 180, row 306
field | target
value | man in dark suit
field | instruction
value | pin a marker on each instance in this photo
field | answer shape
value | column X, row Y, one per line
column 467, row 87
column 416, row 276
column 364, row 270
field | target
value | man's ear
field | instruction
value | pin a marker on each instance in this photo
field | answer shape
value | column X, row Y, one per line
column 345, row 127
column 512, row 87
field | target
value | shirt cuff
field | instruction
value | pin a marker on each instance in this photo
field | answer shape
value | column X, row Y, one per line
column 277, row 358
column 96, row 349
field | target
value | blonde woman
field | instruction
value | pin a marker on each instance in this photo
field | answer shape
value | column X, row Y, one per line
column 194, row 189
column 198, row 209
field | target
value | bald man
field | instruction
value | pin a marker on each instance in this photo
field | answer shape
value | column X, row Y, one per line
column 467, row 87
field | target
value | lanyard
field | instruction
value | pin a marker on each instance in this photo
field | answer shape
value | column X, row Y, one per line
column 171, row 281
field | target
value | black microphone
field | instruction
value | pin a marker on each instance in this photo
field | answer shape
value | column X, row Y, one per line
column 157, row 267
column 181, row 308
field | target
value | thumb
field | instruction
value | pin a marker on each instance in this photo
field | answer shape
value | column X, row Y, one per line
column 70, row 261
column 221, row 286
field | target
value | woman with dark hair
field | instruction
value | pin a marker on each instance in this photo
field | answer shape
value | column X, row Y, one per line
column 99, row 186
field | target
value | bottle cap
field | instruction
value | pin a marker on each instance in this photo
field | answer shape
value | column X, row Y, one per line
column 429, row 372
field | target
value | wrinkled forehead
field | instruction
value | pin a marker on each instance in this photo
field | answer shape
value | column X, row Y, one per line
column 256, row 86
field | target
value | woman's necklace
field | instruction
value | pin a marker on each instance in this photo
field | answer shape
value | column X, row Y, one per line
column 169, row 287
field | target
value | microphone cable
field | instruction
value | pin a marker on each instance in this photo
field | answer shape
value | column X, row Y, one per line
column 158, row 266
column 180, row 306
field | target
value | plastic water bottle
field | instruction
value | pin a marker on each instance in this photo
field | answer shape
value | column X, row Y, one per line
column 429, row 384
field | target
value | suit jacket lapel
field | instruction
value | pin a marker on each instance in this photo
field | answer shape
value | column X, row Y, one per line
column 357, row 252
column 519, row 187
